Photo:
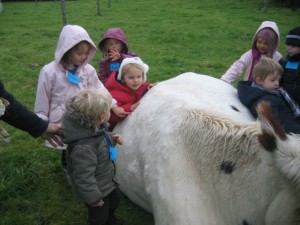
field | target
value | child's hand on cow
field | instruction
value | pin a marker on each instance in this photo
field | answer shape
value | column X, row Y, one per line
column 120, row 112
column 118, row 139
column 151, row 85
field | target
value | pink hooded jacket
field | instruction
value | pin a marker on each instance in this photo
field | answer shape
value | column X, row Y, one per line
column 243, row 65
column 53, row 87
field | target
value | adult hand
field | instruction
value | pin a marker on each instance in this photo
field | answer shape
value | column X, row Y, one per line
column 120, row 112
column 51, row 134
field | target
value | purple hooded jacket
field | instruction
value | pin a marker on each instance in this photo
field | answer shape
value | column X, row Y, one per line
column 106, row 66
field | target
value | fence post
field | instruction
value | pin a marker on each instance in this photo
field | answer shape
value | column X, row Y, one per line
column 63, row 11
column 98, row 6
column 266, row 5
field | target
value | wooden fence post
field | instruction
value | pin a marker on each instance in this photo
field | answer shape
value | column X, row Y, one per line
column 98, row 6
column 63, row 11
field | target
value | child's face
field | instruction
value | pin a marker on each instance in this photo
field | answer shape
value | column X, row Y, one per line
column 261, row 45
column 271, row 82
column 113, row 44
column 292, row 50
column 79, row 54
column 133, row 78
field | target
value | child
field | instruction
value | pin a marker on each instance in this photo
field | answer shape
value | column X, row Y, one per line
column 265, row 87
column 114, row 48
column 291, row 64
column 69, row 73
column 89, row 158
column 264, row 43
column 128, row 86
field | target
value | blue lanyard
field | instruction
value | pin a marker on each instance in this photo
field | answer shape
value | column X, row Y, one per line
column 113, row 151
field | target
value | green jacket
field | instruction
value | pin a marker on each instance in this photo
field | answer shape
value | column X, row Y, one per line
column 90, row 169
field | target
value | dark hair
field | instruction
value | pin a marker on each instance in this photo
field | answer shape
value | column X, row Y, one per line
column 64, row 59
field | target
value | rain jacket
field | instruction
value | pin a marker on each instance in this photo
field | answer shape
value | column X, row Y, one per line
column 106, row 66
column 124, row 96
column 251, row 96
column 53, row 87
column 89, row 166
column 243, row 65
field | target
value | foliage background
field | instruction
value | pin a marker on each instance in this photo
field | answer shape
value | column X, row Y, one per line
column 172, row 36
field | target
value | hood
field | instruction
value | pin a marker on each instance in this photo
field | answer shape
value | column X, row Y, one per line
column 70, row 36
column 73, row 131
column 271, row 25
column 116, row 33
column 133, row 60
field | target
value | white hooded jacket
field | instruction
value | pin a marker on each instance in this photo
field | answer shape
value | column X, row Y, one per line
column 243, row 65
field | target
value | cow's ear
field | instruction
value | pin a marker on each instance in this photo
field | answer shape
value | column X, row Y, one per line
column 270, row 127
column 268, row 141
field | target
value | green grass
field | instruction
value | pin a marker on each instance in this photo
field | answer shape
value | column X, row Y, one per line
column 172, row 36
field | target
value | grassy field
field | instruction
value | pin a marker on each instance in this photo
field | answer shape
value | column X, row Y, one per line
column 172, row 36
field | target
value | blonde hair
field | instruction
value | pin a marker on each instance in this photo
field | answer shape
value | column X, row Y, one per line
column 265, row 67
column 135, row 65
column 91, row 103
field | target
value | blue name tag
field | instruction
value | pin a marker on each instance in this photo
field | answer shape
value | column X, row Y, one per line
column 113, row 152
column 114, row 66
column 73, row 78
column 292, row 65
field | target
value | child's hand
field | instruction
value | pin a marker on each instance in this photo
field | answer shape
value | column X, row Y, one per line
column 151, row 85
column 118, row 138
column 134, row 106
column 99, row 204
column 120, row 112
column 114, row 55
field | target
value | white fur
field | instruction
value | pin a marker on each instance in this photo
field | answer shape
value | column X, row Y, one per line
column 174, row 145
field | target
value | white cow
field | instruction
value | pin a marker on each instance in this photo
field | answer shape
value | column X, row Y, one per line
column 192, row 157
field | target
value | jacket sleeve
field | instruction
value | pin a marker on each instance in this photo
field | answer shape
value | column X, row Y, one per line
column 126, row 107
column 43, row 96
column 237, row 68
column 20, row 117
column 277, row 56
column 104, row 72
